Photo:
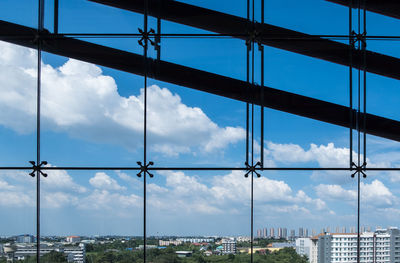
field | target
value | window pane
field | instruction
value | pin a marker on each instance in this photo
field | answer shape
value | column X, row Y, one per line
column 18, row 95
column 88, row 17
column 95, row 215
column 27, row 14
column 18, row 214
column 91, row 115
column 197, row 211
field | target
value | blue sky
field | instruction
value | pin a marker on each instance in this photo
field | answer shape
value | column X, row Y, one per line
column 92, row 115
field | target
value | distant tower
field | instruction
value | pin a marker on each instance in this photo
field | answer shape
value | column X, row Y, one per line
column 292, row 233
column 301, row 232
column 306, row 232
column 265, row 234
column 344, row 231
column 284, row 233
column 272, row 232
column 279, row 232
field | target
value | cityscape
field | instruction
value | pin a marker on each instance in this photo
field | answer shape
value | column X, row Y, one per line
column 328, row 245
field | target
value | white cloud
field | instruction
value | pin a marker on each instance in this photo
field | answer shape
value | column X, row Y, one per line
column 226, row 194
column 325, row 155
column 79, row 100
column 103, row 181
column 60, row 179
column 120, row 204
column 375, row 194
column 59, row 199
column 334, row 192
column 5, row 186
column 16, row 199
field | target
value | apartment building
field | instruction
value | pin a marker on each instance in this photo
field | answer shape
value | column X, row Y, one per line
column 381, row 246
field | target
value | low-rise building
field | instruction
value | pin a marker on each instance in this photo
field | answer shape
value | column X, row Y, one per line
column 184, row 254
column 195, row 239
column 75, row 254
column 169, row 242
column 73, row 239
column 229, row 246
column 25, row 239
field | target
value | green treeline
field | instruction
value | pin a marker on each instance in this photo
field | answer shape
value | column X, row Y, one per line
column 286, row 255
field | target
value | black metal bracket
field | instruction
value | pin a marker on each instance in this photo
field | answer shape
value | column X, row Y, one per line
column 254, row 37
column 362, row 38
column 359, row 169
column 145, row 169
column 146, row 37
column 37, row 168
column 41, row 35
column 252, row 169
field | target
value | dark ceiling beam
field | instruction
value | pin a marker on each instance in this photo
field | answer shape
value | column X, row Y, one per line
column 270, row 35
column 384, row 7
column 199, row 80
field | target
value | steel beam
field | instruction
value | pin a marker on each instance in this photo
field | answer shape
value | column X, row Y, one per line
column 270, row 35
column 199, row 80
column 384, row 7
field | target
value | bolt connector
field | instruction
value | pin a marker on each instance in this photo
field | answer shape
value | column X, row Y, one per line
column 359, row 169
column 252, row 169
column 145, row 169
column 146, row 37
column 37, row 168
column 354, row 38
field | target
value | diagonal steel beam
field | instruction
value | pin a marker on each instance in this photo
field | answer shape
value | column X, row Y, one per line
column 200, row 80
column 384, row 7
column 270, row 35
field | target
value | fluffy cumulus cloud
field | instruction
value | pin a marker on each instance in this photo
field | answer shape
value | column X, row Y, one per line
column 61, row 180
column 103, row 181
column 325, row 155
column 228, row 194
column 172, row 193
column 18, row 188
column 77, row 98
column 374, row 194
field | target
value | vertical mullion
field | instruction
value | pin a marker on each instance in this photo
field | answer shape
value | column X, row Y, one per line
column 359, row 43
column 351, row 50
column 252, row 133
column 56, row 16
column 39, row 58
column 364, row 49
column 145, row 18
column 247, row 81
column 262, row 91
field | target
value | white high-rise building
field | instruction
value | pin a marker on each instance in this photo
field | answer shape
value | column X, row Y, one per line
column 279, row 232
column 381, row 246
column 309, row 247
column 265, row 234
column 284, row 233
column 272, row 232
column 303, row 246
column 313, row 258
